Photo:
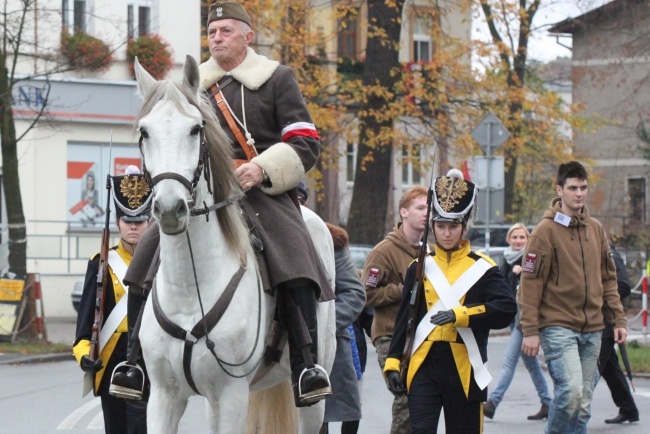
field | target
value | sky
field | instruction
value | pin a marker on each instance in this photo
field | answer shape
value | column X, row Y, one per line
column 542, row 46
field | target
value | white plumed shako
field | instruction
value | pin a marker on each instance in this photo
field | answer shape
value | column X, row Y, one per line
column 455, row 173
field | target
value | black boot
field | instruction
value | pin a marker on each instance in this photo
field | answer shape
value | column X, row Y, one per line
column 128, row 378
column 297, row 306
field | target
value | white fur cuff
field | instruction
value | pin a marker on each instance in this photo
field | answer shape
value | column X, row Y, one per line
column 283, row 166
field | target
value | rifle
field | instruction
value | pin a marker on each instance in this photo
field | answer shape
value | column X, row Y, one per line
column 102, row 274
column 417, row 291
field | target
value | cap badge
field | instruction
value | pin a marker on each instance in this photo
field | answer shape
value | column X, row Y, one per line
column 449, row 192
column 134, row 189
column 220, row 12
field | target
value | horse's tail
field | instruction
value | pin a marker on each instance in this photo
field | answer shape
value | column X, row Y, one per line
column 272, row 411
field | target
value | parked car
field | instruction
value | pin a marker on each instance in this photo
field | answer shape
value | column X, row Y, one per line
column 359, row 253
column 77, row 290
column 498, row 232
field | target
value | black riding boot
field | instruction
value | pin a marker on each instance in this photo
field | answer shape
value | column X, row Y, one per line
column 128, row 382
column 297, row 304
column 139, row 277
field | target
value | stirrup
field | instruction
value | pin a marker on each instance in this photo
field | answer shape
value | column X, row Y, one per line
column 318, row 394
column 125, row 392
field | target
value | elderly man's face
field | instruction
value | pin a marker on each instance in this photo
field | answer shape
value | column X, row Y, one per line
column 228, row 42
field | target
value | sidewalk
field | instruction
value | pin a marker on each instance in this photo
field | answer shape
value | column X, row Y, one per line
column 58, row 331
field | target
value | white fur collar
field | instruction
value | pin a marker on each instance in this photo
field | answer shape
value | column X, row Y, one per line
column 253, row 72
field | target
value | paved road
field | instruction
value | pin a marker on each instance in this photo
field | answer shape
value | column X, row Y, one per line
column 45, row 398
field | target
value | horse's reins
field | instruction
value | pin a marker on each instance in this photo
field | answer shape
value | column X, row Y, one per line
column 206, row 324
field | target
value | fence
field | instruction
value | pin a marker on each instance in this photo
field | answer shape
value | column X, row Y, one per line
column 63, row 247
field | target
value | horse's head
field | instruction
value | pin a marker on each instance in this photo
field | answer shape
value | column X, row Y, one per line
column 172, row 143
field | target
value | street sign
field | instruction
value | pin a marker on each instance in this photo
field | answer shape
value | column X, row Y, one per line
column 493, row 167
column 497, row 201
column 498, row 133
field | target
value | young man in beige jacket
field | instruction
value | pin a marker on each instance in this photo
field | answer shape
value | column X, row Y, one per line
column 568, row 282
column 383, row 277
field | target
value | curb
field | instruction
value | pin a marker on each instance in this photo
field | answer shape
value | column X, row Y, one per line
column 21, row 359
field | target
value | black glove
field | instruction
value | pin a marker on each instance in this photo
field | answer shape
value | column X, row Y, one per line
column 443, row 317
column 394, row 383
column 89, row 365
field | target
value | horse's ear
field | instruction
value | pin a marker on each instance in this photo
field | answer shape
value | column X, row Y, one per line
column 144, row 79
column 191, row 74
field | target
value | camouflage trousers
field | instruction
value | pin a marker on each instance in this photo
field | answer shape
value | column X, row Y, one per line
column 401, row 423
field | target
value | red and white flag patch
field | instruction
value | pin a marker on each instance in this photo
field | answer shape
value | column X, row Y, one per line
column 529, row 262
column 373, row 278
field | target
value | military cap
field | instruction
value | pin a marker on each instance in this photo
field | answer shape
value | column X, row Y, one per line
column 453, row 198
column 225, row 10
column 132, row 196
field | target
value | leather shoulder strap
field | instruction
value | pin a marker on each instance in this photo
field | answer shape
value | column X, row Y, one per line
column 249, row 150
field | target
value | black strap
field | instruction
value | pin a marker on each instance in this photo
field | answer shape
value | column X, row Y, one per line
column 208, row 209
column 225, row 81
column 211, row 319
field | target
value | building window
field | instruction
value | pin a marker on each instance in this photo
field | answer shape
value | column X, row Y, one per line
column 422, row 39
column 139, row 18
column 636, row 195
column 351, row 161
column 74, row 15
column 411, row 165
column 347, row 38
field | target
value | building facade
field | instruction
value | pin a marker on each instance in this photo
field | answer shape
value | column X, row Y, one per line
column 610, row 72
column 78, row 125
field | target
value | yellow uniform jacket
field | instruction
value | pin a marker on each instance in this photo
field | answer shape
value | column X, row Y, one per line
column 115, row 349
column 487, row 304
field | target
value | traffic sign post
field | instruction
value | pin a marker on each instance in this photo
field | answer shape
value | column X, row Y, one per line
column 490, row 134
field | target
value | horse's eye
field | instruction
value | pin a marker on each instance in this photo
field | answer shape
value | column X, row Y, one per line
column 196, row 130
column 144, row 133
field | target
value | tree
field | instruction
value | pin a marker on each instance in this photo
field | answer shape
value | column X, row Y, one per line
column 22, row 58
column 531, row 113
column 14, row 24
column 513, row 57
column 375, row 153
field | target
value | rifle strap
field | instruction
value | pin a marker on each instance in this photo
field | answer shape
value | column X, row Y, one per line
column 249, row 149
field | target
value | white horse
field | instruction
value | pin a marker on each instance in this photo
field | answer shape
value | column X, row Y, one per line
column 205, row 254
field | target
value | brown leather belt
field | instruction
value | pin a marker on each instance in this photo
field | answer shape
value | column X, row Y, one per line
column 249, row 150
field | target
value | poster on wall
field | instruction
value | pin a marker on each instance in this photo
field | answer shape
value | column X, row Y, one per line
column 88, row 165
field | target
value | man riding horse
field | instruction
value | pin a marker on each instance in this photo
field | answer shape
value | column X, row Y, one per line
column 274, row 143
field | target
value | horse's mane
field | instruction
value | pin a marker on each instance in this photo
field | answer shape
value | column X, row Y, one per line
column 224, row 182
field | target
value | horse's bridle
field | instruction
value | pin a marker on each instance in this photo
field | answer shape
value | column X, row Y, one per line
column 202, row 166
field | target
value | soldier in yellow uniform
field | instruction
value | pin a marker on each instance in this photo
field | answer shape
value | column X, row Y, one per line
column 465, row 295
column 132, row 199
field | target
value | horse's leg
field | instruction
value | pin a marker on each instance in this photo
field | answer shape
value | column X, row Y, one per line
column 311, row 418
column 164, row 410
column 229, row 407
